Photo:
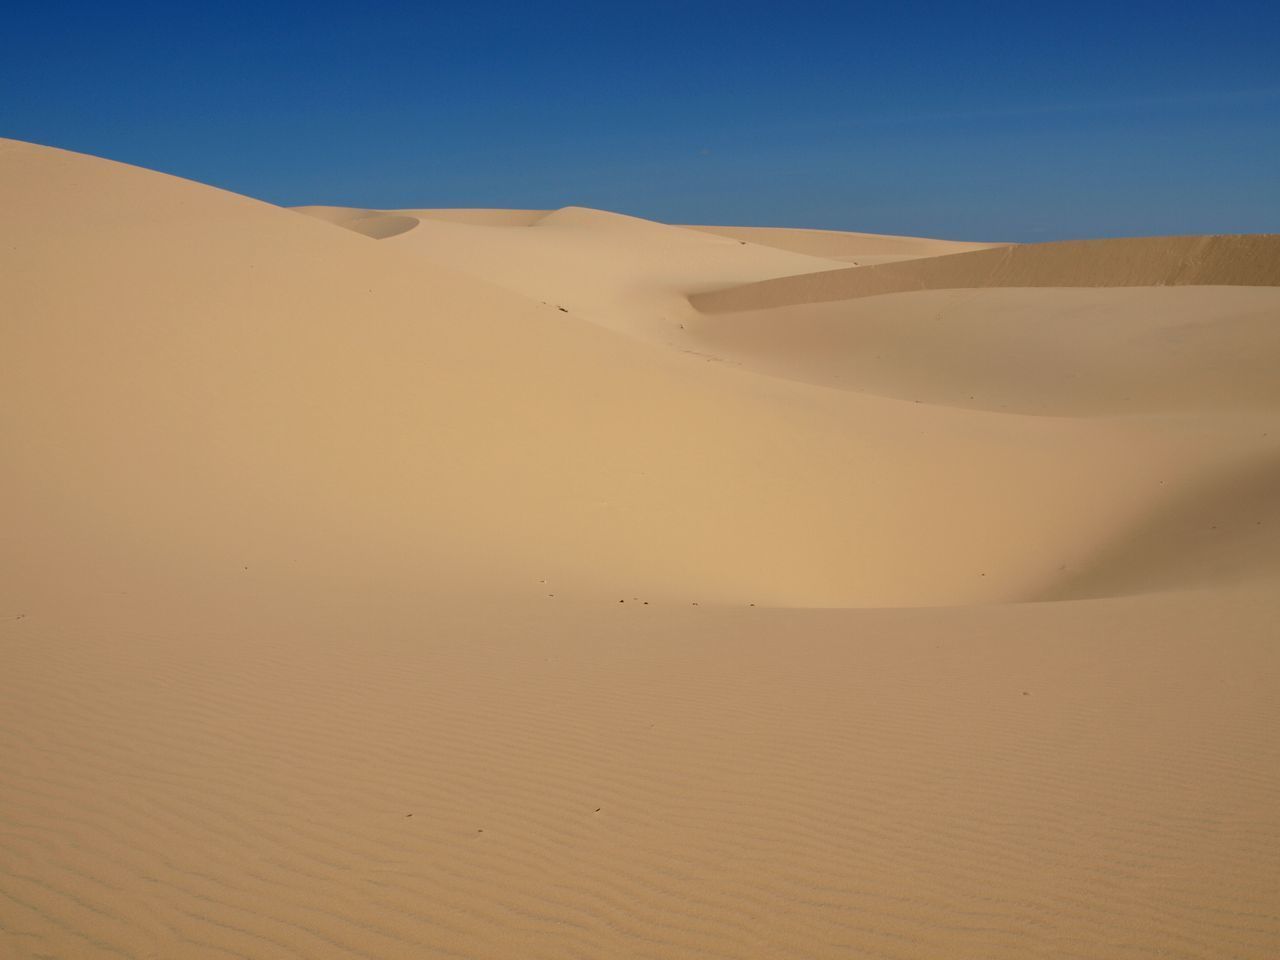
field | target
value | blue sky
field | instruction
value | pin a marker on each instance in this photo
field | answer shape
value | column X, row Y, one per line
column 1028, row 121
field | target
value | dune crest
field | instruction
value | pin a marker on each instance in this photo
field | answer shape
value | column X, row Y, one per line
column 1101, row 351
column 444, row 584
column 1247, row 260
column 329, row 353
column 860, row 248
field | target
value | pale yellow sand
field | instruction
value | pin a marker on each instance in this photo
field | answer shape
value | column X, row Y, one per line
column 858, row 248
column 388, row 592
column 1080, row 351
column 1132, row 262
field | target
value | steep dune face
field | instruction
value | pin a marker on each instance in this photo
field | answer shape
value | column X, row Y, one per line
column 1061, row 352
column 356, row 601
column 861, row 249
column 1137, row 262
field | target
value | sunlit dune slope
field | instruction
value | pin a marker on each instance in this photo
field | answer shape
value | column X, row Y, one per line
column 859, row 248
column 234, row 385
column 1135, row 262
column 448, row 586
column 1063, row 352
column 623, row 272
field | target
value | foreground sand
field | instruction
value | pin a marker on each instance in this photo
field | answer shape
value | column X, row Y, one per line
column 453, row 585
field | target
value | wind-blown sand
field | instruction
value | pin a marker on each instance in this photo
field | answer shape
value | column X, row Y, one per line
column 557, row 583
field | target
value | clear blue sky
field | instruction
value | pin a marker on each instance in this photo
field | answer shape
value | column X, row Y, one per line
column 978, row 120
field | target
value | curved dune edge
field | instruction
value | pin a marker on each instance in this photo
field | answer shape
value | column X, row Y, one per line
column 376, row 224
column 352, row 605
column 1230, row 260
column 621, row 272
column 381, row 227
column 840, row 245
column 860, row 248
column 346, row 385
column 350, row 217
column 1041, row 351
column 1222, row 529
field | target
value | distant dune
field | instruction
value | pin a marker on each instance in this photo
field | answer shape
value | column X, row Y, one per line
column 370, row 222
column 862, row 248
column 1136, row 262
column 425, row 583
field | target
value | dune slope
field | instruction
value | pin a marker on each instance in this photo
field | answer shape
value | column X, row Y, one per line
column 461, row 591
column 1100, row 351
column 861, row 249
column 628, row 274
column 1132, row 262
column 270, row 392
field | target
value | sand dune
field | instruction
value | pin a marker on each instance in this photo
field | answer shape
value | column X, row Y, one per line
column 491, row 584
column 860, row 248
column 1062, row 352
column 351, row 217
column 629, row 274
column 484, row 218
column 1136, row 262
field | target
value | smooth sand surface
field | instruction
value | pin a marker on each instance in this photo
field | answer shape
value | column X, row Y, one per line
column 416, row 583
column 860, row 249
column 1129, row 262
column 1079, row 351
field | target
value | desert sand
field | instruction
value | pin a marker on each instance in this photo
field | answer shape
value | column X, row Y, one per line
column 509, row 584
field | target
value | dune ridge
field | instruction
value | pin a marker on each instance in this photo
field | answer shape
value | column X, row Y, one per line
column 353, row 217
column 861, row 248
column 461, row 591
column 624, row 273
column 1243, row 260
column 1081, row 352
